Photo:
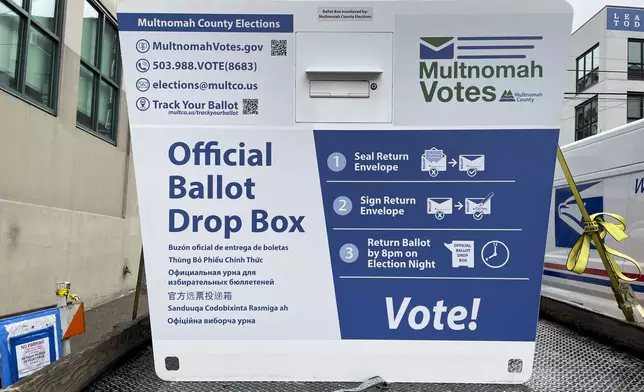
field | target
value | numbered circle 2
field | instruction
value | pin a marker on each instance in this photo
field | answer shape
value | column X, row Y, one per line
column 337, row 162
column 342, row 205
column 349, row 253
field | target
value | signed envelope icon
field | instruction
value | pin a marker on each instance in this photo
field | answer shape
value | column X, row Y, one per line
column 468, row 162
column 479, row 205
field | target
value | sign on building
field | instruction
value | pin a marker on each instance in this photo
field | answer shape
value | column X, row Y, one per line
column 625, row 19
column 332, row 192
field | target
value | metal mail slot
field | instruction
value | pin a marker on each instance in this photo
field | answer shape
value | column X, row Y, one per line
column 339, row 89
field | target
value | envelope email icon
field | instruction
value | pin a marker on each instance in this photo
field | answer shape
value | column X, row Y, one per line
column 436, row 48
column 473, row 206
column 471, row 162
column 435, row 205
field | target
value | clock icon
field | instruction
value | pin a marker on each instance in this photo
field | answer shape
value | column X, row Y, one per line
column 495, row 254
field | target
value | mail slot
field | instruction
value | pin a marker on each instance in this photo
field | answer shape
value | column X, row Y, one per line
column 343, row 78
column 339, row 89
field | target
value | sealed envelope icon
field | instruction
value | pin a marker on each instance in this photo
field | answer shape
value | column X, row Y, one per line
column 439, row 204
column 471, row 162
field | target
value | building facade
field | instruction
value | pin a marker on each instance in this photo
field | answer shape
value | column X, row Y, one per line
column 68, row 209
column 605, row 86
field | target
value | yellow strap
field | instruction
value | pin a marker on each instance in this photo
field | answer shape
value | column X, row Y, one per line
column 595, row 230
column 630, row 298
column 580, row 253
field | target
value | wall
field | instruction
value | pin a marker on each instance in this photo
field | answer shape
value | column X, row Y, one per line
column 587, row 36
column 613, row 53
column 617, row 82
column 68, row 208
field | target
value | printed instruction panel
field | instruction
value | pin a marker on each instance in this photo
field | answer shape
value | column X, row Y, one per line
column 431, row 235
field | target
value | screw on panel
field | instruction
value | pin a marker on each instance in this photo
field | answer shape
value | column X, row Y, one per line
column 172, row 363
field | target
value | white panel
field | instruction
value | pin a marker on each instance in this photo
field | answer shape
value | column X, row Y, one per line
column 233, row 300
column 496, row 71
column 312, row 312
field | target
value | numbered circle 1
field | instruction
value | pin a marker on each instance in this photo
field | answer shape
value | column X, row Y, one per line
column 342, row 205
column 337, row 162
column 349, row 253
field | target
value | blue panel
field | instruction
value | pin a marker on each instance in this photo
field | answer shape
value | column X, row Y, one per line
column 227, row 23
column 478, row 257
column 568, row 221
column 30, row 337
column 625, row 19
column 8, row 360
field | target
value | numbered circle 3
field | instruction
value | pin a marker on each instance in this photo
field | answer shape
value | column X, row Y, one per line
column 349, row 253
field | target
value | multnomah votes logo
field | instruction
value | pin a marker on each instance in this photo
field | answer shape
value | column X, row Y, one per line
column 436, row 48
column 480, row 58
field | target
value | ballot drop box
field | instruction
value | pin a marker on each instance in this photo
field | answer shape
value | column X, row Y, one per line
column 339, row 190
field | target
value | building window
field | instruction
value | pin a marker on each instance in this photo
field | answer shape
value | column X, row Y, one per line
column 586, row 119
column 588, row 69
column 99, row 84
column 635, row 107
column 30, row 33
column 636, row 59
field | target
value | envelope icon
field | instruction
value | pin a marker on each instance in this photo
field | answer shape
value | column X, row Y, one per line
column 436, row 48
column 430, row 161
column 471, row 162
column 439, row 204
column 473, row 206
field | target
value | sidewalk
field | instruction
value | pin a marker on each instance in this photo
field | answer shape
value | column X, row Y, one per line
column 102, row 319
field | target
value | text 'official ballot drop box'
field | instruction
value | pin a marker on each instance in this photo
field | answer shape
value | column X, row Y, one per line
column 333, row 191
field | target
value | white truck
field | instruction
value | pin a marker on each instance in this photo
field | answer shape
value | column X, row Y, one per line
column 609, row 171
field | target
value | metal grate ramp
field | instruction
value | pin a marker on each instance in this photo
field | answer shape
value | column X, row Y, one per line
column 565, row 362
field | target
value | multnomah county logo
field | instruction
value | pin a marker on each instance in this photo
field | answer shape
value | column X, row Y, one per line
column 468, row 69
column 522, row 97
column 507, row 96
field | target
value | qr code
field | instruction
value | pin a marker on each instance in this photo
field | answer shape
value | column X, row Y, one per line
column 250, row 106
column 278, row 47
